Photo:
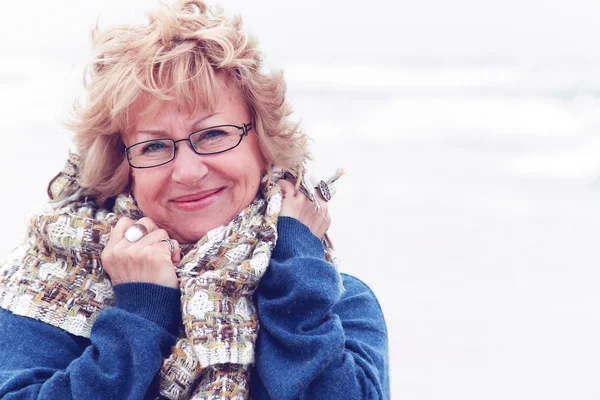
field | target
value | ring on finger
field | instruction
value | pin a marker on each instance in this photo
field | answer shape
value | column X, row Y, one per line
column 327, row 187
column 327, row 190
column 135, row 233
column 171, row 245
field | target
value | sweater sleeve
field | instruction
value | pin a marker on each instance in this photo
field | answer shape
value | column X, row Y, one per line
column 119, row 361
column 315, row 342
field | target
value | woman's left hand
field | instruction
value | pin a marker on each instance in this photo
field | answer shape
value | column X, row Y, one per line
column 296, row 205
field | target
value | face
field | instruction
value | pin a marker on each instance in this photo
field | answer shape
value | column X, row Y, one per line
column 195, row 193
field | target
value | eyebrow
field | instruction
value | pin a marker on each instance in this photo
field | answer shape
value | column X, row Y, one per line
column 156, row 132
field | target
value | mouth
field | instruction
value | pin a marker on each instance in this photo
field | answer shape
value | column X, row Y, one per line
column 197, row 200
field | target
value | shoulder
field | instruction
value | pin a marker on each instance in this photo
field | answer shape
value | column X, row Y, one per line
column 358, row 302
column 355, row 287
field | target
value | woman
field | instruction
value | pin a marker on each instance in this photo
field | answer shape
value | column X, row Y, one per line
column 148, row 275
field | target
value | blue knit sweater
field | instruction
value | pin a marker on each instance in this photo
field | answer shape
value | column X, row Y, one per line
column 313, row 344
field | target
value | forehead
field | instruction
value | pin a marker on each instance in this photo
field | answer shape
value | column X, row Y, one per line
column 152, row 113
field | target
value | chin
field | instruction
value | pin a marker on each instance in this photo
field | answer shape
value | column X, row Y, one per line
column 191, row 235
column 194, row 232
column 192, row 228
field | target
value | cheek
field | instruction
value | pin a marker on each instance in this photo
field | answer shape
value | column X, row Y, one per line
column 147, row 187
column 253, row 179
column 252, row 170
column 258, row 164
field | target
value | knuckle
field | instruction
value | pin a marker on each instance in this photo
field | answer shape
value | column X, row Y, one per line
column 124, row 221
column 162, row 233
column 147, row 222
column 285, row 185
column 107, row 259
column 146, row 252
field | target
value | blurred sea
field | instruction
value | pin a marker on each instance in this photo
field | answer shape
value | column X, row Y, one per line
column 470, row 204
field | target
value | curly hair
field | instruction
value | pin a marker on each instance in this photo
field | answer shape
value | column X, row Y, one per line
column 175, row 57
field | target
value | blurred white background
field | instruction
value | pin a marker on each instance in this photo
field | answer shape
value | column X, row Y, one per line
column 469, row 131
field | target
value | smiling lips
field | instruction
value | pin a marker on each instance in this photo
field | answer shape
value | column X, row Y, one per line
column 198, row 200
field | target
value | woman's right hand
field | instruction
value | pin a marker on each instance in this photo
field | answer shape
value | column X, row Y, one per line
column 147, row 260
column 296, row 205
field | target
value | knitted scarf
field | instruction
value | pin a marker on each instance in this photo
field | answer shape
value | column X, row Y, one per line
column 56, row 276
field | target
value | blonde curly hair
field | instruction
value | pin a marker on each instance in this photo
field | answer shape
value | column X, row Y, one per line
column 175, row 57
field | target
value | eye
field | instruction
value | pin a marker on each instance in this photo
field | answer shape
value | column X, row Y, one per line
column 210, row 137
column 154, row 147
column 212, row 134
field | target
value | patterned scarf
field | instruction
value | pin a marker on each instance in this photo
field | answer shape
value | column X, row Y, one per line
column 56, row 276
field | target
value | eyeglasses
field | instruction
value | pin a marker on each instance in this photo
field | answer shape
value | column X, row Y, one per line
column 213, row 140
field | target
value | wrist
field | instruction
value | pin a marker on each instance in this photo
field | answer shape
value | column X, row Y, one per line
column 296, row 240
column 157, row 303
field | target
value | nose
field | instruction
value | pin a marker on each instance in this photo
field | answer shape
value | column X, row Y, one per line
column 188, row 167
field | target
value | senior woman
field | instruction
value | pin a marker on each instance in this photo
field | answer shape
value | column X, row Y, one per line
column 171, row 234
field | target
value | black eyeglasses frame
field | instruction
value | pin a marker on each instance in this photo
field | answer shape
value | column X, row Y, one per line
column 245, row 128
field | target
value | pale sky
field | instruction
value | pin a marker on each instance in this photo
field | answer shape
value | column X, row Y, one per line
column 528, row 31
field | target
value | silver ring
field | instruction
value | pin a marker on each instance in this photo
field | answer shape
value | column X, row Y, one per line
column 171, row 245
column 135, row 233
column 326, row 190
column 327, row 187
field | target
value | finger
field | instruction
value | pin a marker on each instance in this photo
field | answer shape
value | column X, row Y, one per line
column 118, row 232
column 151, row 238
column 322, row 201
column 145, row 225
column 126, row 247
column 176, row 256
column 313, row 181
column 324, row 204
column 148, row 223
column 289, row 191
column 287, row 188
